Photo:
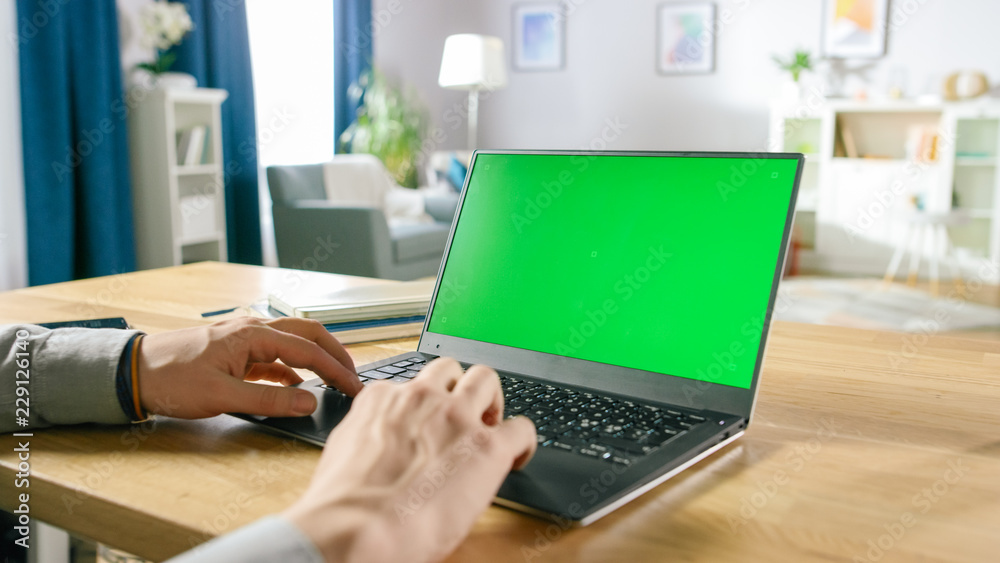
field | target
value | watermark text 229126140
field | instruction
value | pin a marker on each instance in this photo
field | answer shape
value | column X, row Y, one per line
column 22, row 413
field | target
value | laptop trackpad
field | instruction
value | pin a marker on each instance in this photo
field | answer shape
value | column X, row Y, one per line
column 330, row 410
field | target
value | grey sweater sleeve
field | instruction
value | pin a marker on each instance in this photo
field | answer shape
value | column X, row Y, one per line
column 70, row 374
column 267, row 540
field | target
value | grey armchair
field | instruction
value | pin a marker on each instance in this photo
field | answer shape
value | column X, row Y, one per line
column 312, row 233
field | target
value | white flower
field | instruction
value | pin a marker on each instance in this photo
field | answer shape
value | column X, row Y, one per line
column 164, row 24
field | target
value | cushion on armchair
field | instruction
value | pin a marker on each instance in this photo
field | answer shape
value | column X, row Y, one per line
column 456, row 174
column 362, row 180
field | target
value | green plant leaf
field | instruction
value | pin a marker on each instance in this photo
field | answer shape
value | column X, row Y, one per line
column 389, row 124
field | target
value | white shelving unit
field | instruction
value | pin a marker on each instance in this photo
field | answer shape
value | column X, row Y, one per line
column 179, row 208
column 853, row 211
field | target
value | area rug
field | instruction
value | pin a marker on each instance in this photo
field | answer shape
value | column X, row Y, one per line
column 864, row 303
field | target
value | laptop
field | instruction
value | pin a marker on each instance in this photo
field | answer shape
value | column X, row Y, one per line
column 625, row 299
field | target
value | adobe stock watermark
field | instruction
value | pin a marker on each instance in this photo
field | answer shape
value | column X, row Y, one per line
column 381, row 18
column 293, row 278
column 712, row 29
column 451, row 290
column 205, row 197
column 882, row 200
column 722, row 361
column 625, row 289
column 939, row 320
column 922, row 503
column 454, row 116
column 101, row 472
column 435, row 478
column 553, row 189
column 228, row 512
column 92, row 138
column 740, row 174
column 902, row 11
column 796, row 119
column 114, row 286
column 795, row 461
column 29, row 26
column 589, row 493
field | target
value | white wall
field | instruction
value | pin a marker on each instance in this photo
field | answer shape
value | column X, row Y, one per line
column 13, row 265
column 610, row 68
column 408, row 44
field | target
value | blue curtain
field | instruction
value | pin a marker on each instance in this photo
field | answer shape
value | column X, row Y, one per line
column 76, row 173
column 217, row 53
column 352, row 39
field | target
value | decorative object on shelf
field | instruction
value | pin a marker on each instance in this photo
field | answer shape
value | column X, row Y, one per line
column 685, row 43
column 390, row 124
column 192, row 148
column 474, row 63
column 539, row 36
column 842, row 74
column 799, row 62
column 164, row 25
column 897, row 83
column 923, row 143
column 965, row 85
column 854, row 28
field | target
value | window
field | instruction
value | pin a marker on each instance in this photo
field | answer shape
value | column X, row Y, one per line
column 292, row 56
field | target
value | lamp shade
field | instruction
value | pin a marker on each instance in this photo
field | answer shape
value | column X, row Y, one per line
column 473, row 62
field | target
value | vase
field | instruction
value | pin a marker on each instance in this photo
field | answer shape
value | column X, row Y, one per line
column 145, row 80
column 174, row 81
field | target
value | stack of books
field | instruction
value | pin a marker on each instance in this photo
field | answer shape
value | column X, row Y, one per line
column 194, row 145
column 358, row 314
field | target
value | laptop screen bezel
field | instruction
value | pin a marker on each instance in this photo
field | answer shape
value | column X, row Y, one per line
column 620, row 380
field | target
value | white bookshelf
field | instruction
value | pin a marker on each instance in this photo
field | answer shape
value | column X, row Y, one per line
column 839, row 191
column 179, row 207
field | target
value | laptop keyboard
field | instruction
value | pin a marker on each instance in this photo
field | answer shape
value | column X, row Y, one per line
column 588, row 424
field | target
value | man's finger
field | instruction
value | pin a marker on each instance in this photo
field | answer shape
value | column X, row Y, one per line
column 480, row 387
column 267, row 344
column 278, row 373
column 311, row 330
column 266, row 400
column 441, row 372
column 519, row 439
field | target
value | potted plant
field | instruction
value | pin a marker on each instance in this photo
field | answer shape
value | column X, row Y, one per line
column 164, row 25
column 799, row 62
column 390, row 124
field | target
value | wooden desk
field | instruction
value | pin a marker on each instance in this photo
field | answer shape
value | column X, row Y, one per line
column 866, row 446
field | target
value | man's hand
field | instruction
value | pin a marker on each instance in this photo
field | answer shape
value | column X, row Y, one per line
column 405, row 474
column 204, row 371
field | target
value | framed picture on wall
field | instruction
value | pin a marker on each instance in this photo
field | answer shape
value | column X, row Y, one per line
column 685, row 43
column 539, row 36
column 854, row 28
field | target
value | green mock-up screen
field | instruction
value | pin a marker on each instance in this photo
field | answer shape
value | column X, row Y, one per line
column 658, row 263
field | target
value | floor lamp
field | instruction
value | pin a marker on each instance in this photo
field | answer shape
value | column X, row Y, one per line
column 474, row 63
